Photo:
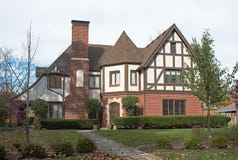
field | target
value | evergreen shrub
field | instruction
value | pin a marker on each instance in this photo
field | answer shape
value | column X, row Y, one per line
column 68, row 123
column 85, row 145
column 169, row 122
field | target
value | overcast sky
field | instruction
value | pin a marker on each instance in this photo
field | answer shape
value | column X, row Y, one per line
column 143, row 20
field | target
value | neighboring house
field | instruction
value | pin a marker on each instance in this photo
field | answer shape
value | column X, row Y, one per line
column 231, row 109
column 110, row 72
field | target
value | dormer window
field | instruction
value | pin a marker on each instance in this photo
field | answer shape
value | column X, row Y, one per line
column 172, row 47
column 55, row 81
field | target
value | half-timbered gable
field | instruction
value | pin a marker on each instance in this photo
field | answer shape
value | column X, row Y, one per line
column 163, row 68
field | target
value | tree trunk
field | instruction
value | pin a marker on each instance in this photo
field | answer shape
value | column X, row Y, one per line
column 37, row 124
column 209, row 122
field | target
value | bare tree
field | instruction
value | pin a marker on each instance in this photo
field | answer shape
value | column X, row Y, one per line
column 29, row 51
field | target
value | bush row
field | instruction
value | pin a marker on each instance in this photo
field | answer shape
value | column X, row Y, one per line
column 68, row 124
column 168, row 122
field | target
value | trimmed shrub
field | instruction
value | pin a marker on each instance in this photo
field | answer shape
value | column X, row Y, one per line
column 68, row 124
column 193, row 142
column 85, row 145
column 218, row 142
column 2, row 122
column 2, row 152
column 64, row 148
column 164, row 143
column 168, row 122
column 34, row 150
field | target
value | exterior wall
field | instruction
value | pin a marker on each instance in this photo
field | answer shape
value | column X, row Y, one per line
column 41, row 91
column 165, row 60
column 154, row 106
column 106, row 78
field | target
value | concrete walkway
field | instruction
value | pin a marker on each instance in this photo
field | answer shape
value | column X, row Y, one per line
column 111, row 147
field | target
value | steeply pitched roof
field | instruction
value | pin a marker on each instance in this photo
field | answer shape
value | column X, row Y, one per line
column 150, row 50
column 124, row 51
column 95, row 53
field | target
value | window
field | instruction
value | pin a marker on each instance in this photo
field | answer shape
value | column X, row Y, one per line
column 94, row 81
column 55, row 81
column 55, row 111
column 172, row 47
column 172, row 77
column 114, row 78
column 133, row 77
column 173, row 107
column 79, row 78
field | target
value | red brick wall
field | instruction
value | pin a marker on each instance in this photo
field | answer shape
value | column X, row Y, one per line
column 75, row 107
column 154, row 106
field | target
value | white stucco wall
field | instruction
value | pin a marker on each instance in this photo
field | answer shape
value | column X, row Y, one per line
column 119, row 88
column 39, row 90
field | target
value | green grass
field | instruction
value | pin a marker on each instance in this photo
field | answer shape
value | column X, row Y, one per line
column 136, row 138
column 224, row 154
column 41, row 137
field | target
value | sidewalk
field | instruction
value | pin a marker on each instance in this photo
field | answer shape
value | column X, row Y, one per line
column 111, row 147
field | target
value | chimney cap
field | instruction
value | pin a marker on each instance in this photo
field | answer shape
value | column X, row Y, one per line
column 80, row 22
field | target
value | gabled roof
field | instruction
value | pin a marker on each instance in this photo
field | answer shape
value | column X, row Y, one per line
column 124, row 51
column 151, row 49
column 62, row 63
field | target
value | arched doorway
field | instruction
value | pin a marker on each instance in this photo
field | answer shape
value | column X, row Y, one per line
column 114, row 111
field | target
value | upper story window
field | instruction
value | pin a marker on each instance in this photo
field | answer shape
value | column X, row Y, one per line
column 133, row 76
column 55, row 81
column 173, row 107
column 94, row 81
column 172, row 47
column 79, row 78
column 172, row 77
column 114, row 78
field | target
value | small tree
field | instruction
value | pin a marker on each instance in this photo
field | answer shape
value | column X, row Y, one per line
column 129, row 103
column 207, row 80
column 93, row 106
column 39, row 107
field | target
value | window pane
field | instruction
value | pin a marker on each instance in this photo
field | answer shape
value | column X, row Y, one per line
column 97, row 82
column 171, row 107
column 165, row 107
column 177, row 107
column 79, row 78
column 133, row 77
column 117, row 78
column 113, row 79
column 91, row 82
column 173, row 47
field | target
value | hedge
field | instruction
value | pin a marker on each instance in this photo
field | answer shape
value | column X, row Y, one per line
column 168, row 122
column 68, row 124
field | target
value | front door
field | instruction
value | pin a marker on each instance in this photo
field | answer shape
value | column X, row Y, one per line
column 114, row 111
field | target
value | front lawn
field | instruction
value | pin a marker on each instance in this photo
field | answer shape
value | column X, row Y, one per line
column 146, row 140
column 137, row 138
column 212, row 154
column 41, row 137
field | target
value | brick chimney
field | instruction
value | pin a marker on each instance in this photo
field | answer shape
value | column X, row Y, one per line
column 75, row 107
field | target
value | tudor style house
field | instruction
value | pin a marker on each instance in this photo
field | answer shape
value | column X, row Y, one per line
column 110, row 72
